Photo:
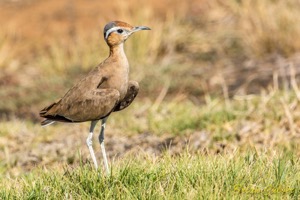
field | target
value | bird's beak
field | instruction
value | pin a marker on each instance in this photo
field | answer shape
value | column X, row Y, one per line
column 140, row 28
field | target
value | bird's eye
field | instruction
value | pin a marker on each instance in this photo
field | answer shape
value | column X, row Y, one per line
column 120, row 31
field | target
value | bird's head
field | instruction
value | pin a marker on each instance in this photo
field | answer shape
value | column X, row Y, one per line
column 117, row 32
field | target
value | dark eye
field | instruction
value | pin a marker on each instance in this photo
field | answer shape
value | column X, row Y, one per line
column 120, row 31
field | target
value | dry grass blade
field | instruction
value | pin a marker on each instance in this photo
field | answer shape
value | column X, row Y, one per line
column 293, row 80
column 161, row 96
column 289, row 116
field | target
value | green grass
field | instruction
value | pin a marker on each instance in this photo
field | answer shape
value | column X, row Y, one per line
column 213, row 147
column 197, row 176
column 250, row 149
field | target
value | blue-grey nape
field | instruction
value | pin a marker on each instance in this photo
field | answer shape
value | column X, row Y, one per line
column 108, row 26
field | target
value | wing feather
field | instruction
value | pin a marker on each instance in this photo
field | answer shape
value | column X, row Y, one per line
column 83, row 102
column 132, row 91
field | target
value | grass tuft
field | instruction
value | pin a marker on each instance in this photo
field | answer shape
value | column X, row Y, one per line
column 185, row 176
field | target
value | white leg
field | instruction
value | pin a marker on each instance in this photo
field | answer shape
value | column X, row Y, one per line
column 101, row 140
column 89, row 143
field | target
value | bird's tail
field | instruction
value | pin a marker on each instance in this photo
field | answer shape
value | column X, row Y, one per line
column 47, row 122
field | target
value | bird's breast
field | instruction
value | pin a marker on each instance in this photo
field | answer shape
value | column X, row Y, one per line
column 119, row 81
column 116, row 69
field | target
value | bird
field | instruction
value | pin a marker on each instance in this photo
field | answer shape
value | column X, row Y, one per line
column 104, row 90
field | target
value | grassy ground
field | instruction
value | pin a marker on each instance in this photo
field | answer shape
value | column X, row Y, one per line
column 238, row 148
column 217, row 116
column 197, row 176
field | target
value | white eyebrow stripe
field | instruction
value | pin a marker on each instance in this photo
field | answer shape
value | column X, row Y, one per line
column 111, row 30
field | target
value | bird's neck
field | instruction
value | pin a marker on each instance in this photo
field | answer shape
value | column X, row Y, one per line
column 117, row 52
column 120, row 69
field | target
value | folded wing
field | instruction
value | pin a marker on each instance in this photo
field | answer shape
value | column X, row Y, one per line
column 94, row 105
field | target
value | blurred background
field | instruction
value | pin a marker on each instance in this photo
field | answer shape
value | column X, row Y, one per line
column 195, row 47
column 195, row 50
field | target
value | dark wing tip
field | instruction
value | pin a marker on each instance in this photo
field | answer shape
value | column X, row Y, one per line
column 47, row 122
